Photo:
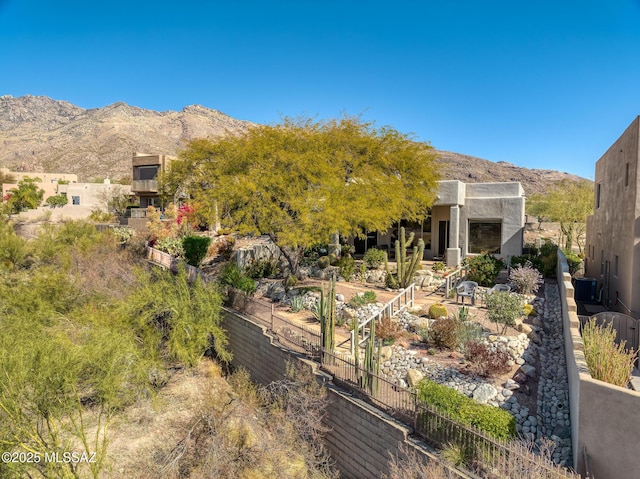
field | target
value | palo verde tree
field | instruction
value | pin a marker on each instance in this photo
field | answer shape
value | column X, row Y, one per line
column 302, row 180
column 569, row 203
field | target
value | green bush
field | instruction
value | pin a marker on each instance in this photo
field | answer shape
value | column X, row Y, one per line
column 504, row 308
column 483, row 269
column 460, row 408
column 438, row 266
column 232, row 275
column 374, row 258
column 536, row 261
column 262, row 268
column 195, row 249
column 549, row 256
column 347, row 267
column 573, row 261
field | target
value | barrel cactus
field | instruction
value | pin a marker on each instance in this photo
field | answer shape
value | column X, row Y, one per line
column 438, row 310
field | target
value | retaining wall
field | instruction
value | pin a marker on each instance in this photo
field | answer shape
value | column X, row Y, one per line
column 361, row 438
column 605, row 419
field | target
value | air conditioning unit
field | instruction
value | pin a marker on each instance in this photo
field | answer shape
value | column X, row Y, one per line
column 586, row 289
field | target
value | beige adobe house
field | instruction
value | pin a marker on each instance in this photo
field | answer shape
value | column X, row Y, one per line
column 467, row 219
column 613, row 231
column 47, row 181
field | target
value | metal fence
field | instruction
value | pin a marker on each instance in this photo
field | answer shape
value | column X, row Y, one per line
column 436, row 427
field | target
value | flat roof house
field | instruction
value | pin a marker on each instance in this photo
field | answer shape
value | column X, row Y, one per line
column 145, row 170
column 613, row 231
column 467, row 219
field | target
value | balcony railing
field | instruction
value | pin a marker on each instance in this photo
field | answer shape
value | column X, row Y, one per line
column 144, row 186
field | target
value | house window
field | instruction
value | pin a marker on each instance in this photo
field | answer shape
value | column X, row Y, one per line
column 598, row 195
column 485, row 237
column 75, row 200
column 146, row 172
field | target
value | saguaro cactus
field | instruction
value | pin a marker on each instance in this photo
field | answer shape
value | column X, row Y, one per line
column 406, row 269
column 327, row 313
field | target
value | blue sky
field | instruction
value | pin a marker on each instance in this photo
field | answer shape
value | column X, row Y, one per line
column 541, row 84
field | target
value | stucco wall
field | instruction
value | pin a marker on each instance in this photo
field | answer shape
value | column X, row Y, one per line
column 361, row 438
column 605, row 419
column 613, row 229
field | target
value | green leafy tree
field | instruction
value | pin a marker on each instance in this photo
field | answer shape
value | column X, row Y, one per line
column 301, row 181
column 569, row 203
column 57, row 201
column 26, row 196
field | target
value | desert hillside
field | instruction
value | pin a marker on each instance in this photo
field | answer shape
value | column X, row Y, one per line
column 41, row 134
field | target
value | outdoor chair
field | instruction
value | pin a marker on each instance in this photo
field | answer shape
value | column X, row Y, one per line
column 500, row 288
column 467, row 289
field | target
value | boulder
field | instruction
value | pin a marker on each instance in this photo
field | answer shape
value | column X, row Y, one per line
column 484, row 393
column 414, row 377
column 528, row 370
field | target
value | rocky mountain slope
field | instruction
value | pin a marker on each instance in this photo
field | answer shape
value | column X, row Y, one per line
column 41, row 134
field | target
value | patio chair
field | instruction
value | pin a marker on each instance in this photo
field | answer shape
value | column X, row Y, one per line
column 500, row 288
column 467, row 289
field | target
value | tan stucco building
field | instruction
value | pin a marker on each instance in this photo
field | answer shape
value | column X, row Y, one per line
column 613, row 231
column 467, row 219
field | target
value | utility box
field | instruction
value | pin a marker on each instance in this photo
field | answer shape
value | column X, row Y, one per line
column 586, row 289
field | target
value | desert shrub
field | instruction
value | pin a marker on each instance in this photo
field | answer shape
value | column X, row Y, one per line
column 573, row 261
column 549, row 256
column 172, row 246
column 487, row 361
column 483, row 269
column 232, row 275
column 333, row 260
column 468, row 331
column 195, row 249
column 607, row 361
column 526, row 278
column 262, row 268
column 408, row 464
column 388, row 330
column 460, row 408
column 504, row 308
column 438, row 266
column 362, row 299
column 438, row 310
column 374, row 258
column 290, row 282
column 444, row 333
column 347, row 267
column 323, row 262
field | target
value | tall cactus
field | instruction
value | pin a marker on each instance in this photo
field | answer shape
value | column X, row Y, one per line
column 367, row 375
column 406, row 269
column 327, row 313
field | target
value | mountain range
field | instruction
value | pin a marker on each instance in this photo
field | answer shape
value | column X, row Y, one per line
column 39, row 134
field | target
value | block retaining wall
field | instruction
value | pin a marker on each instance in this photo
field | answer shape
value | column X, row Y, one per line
column 361, row 438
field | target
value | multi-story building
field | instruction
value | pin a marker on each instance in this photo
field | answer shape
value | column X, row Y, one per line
column 146, row 169
column 613, row 231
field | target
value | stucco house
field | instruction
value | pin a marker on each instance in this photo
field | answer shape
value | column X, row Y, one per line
column 613, row 231
column 145, row 171
column 467, row 219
